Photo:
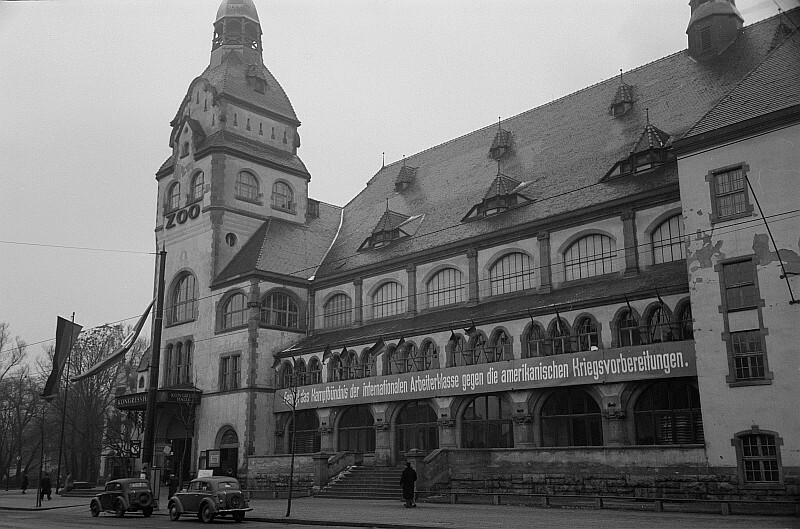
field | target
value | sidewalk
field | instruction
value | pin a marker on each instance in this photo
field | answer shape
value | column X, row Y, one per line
column 393, row 515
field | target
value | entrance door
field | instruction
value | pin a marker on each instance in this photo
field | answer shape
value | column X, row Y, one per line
column 416, row 427
column 228, row 454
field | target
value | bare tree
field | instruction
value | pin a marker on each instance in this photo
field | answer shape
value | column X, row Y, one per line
column 15, row 398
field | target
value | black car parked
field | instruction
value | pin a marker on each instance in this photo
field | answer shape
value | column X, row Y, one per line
column 124, row 495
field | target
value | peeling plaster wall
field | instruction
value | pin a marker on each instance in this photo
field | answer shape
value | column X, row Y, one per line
column 774, row 162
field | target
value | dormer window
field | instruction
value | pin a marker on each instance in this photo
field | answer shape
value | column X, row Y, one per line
column 623, row 98
column 405, row 177
column 501, row 143
column 654, row 148
column 388, row 230
column 501, row 196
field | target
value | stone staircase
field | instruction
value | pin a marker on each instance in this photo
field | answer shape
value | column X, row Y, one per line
column 369, row 483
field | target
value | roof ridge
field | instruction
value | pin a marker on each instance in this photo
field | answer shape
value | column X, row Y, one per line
column 263, row 241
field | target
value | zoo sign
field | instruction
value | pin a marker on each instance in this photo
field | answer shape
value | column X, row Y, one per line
column 182, row 215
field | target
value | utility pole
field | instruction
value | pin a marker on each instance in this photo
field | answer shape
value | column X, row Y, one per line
column 155, row 362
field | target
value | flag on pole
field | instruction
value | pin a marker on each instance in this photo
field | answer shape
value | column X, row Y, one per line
column 66, row 335
column 558, row 324
column 401, row 342
column 630, row 309
column 471, row 329
column 117, row 353
column 326, row 353
column 377, row 348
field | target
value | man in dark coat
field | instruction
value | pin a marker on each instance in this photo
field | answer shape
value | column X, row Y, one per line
column 407, row 479
column 24, row 482
column 173, row 485
column 46, row 488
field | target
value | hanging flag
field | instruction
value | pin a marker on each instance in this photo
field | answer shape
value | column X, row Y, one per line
column 558, row 324
column 630, row 309
column 326, row 354
column 377, row 348
column 471, row 329
column 277, row 361
column 453, row 337
column 401, row 342
column 663, row 307
column 66, row 335
column 119, row 352
column 531, row 317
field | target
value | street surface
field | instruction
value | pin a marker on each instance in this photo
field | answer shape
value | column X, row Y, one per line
column 427, row 515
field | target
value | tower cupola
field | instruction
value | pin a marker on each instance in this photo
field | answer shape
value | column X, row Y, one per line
column 237, row 29
column 713, row 27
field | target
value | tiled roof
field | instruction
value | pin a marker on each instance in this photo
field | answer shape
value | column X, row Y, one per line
column 652, row 138
column 389, row 221
column 286, row 248
column 560, row 147
column 501, row 185
column 230, row 77
column 773, row 85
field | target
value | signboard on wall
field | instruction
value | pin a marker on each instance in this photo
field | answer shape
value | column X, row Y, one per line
column 622, row 364
column 213, row 459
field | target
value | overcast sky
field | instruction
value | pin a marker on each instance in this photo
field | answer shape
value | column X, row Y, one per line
column 89, row 87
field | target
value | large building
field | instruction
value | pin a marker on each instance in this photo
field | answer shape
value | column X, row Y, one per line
column 513, row 308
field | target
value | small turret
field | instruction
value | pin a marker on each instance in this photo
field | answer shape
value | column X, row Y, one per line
column 238, row 29
column 714, row 25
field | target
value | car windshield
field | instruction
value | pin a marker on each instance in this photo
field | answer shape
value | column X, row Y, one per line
column 139, row 485
column 228, row 485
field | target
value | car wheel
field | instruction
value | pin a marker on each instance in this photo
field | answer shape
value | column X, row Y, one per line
column 147, row 511
column 238, row 517
column 95, row 509
column 206, row 516
column 174, row 513
column 119, row 509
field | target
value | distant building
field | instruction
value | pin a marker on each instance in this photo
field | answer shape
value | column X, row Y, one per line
column 511, row 308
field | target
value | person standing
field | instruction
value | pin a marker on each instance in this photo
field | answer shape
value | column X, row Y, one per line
column 407, row 479
column 24, row 482
column 46, row 489
column 173, row 484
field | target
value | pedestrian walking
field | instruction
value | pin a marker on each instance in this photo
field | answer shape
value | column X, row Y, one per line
column 24, row 482
column 407, row 479
column 46, row 488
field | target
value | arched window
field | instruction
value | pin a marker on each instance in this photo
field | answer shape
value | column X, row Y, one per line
column 184, row 297
column 668, row 413
column 628, row 333
column 416, row 428
column 560, row 339
column 282, row 196
column 590, row 256
column 246, row 186
column 348, row 366
column 667, row 241
column 197, row 186
column 445, row 288
column 570, row 417
column 280, row 310
column 174, row 196
column 367, row 364
column 396, row 360
column 335, row 369
column 357, row 430
column 307, row 434
column 314, row 371
column 685, row 323
column 234, row 312
column 659, row 327
column 388, row 300
column 427, row 356
column 456, row 349
column 300, row 373
column 511, row 273
column 477, row 351
column 337, row 311
column 500, row 348
column 486, row 423
column 588, row 335
column 287, row 376
column 536, row 342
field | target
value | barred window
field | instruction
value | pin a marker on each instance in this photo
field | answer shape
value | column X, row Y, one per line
column 571, row 417
column 590, row 256
column 314, row 371
column 667, row 241
column 388, row 301
column 659, row 326
column 445, row 288
column 560, row 339
column 234, row 313
column 246, row 186
column 511, row 273
column 668, row 412
column 588, row 335
column 338, row 311
column 280, row 310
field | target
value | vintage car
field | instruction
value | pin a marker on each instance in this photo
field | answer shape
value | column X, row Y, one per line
column 209, row 497
column 124, row 495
